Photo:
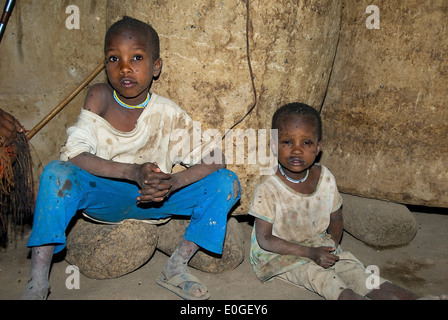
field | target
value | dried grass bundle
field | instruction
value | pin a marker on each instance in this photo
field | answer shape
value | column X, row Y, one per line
column 16, row 187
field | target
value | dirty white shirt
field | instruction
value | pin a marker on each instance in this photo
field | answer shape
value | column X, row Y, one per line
column 164, row 133
column 295, row 217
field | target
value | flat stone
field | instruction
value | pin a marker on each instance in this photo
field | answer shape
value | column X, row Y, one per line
column 378, row 223
column 106, row 251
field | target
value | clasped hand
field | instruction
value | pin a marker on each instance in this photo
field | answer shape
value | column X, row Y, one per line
column 155, row 185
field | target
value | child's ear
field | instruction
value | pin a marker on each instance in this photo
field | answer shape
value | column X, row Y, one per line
column 157, row 67
column 319, row 147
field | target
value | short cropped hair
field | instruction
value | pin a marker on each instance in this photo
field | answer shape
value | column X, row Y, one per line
column 128, row 23
column 297, row 108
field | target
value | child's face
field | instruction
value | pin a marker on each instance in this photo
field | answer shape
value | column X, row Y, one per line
column 130, row 65
column 298, row 145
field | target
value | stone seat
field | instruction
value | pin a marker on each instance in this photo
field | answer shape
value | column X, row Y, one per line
column 106, row 251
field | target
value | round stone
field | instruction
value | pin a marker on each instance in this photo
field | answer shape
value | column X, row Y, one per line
column 105, row 251
column 378, row 223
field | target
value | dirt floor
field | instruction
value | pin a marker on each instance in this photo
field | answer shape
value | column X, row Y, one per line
column 421, row 266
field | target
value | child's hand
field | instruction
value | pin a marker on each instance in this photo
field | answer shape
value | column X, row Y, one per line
column 9, row 127
column 324, row 257
column 154, row 183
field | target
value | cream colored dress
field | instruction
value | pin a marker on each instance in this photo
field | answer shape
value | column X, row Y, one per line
column 296, row 217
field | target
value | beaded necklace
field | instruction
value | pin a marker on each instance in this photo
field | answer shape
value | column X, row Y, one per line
column 128, row 106
column 293, row 180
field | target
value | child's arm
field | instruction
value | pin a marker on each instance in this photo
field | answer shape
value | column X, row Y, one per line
column 197, row 171
column 336, row 226
column 183, row 178
column 267, row 241
column 148, row 176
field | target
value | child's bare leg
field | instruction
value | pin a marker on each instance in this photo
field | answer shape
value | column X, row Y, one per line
column 178, row 264
column 390, row 291
column 38, row 286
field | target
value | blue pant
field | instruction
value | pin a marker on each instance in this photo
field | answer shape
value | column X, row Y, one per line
column 65, row 188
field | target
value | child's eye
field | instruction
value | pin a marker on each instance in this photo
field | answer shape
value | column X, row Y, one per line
column 112, row 59
column 308, row 143
column 286, row 142
column 137, row 58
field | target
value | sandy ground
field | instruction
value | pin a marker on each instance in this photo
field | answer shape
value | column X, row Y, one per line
column 421, row 266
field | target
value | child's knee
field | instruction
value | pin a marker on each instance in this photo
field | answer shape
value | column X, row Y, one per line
column 228, row 181
column 58, row 170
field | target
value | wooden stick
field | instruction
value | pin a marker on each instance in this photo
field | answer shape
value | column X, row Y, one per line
column 9, row 6
column 59, row 107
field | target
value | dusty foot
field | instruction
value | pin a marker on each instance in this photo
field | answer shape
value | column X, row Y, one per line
column 185, row 285
column 176, row 273
column 35, row 291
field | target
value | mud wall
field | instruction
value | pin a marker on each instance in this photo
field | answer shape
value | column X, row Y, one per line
column 386, row 115
column 42, row 62
column 206, row 68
